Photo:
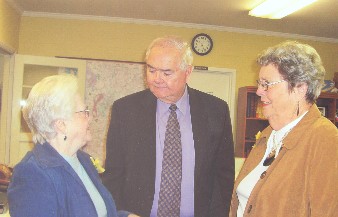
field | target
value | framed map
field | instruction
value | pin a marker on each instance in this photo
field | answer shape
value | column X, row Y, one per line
column 107, row 81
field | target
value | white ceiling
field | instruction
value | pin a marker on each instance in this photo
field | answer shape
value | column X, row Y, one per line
column 318, row 20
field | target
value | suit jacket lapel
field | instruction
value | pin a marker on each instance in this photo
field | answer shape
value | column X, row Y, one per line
column 148, row 142
column 148, row 128
column 199, row 128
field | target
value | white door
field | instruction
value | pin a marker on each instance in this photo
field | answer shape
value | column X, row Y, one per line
column 28, row 70
column 219, row 82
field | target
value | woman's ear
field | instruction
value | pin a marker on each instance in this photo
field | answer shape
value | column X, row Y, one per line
column 301, row 90
column 60, row 127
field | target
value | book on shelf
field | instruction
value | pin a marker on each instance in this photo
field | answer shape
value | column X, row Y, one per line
column 252, row 105
column 259, row 110
column 248, row 103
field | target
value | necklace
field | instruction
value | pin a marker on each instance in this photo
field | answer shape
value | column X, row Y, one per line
column 271, row 157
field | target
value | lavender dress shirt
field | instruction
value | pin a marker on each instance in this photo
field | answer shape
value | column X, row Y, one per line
column 188, row 153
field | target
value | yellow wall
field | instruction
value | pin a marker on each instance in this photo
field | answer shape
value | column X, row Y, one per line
column 9, row 27
column 126, row 41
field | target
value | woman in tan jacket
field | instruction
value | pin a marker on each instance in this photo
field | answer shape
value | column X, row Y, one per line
column 292, row 169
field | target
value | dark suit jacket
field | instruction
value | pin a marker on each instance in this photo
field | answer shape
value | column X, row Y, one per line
column 44, row 184
column 131, row 152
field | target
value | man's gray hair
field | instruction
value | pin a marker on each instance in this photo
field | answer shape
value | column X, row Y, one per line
column 177, row 43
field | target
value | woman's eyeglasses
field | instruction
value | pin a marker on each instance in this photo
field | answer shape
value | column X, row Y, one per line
column 86, row 112
column 265, row 84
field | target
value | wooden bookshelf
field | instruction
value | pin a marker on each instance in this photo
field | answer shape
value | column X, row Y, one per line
column 329, row 101
column 250, row 120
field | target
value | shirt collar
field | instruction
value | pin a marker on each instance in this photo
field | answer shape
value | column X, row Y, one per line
column 280, row 133
column 182, row 104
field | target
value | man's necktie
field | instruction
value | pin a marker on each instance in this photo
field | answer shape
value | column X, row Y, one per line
column 170, row 189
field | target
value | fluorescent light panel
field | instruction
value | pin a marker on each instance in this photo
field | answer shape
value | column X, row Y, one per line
column 277, row 9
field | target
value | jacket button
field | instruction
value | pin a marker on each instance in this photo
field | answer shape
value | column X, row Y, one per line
column 263, row 175
column 249, row 209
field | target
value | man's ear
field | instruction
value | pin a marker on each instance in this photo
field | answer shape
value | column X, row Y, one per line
column 188, row 71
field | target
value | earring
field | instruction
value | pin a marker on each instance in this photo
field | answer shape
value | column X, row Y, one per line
column 298, row 109
column 65, row 138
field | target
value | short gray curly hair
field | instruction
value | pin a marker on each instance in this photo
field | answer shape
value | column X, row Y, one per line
column 297, row 63
column 177, row 43
column 50, row 100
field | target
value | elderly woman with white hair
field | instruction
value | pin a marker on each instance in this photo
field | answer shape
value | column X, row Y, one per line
column 56, row 178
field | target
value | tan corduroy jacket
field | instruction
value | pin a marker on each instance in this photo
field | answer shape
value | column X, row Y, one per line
column 303, row 179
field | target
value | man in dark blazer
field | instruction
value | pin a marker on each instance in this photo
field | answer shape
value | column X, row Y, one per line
column 135, row 139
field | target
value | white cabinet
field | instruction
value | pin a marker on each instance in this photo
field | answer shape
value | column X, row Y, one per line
column 28, row 70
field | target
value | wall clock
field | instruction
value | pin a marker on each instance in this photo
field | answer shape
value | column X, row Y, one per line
column 202, row 44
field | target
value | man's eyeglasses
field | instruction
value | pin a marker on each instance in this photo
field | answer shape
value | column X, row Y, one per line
column 86, row 112
column 265, row 84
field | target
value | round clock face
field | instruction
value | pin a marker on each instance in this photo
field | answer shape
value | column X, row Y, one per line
column 201, row 44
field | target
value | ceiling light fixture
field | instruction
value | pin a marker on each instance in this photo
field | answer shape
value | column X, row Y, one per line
column 277, row 9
